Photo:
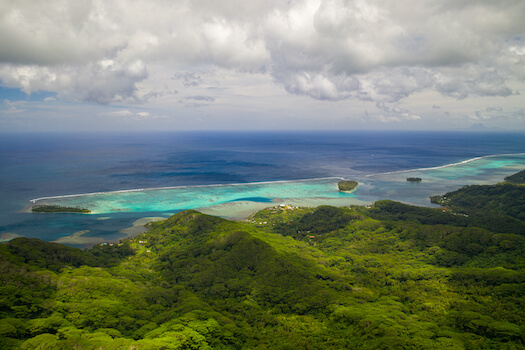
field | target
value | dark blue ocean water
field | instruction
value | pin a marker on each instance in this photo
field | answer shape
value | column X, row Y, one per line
column 38, row 165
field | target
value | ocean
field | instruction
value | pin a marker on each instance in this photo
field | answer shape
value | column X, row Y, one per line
column 125, row 177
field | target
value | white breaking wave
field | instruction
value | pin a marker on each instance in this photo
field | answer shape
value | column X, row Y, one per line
column 181, row 187
column 447, row 165
column 270, row 182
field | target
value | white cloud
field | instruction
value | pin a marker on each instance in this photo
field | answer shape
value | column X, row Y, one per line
column 394, row 113
column 382, row 51
column 105, row 81
column 128, row 115
column 120, row 113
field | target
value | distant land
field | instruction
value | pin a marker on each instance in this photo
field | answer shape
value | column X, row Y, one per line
column 518, row 178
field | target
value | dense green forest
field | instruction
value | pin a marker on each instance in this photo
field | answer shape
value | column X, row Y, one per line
column 347, row 185
column 518, row 178
column 499, row 208
column 389, row 276
column 52, row 208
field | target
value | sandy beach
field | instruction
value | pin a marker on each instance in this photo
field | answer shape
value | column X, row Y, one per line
column 139, row 226
column 78, row 238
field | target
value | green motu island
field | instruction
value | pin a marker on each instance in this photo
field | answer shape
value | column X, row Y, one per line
column 385, row 276
column 347, row 185
column 414, row 179
column 45, row 208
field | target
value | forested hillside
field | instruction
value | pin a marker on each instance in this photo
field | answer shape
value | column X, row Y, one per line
column 499, row 208
column 518, row 178
column 387, row 277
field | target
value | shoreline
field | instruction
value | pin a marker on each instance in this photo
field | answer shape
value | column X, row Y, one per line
column 79, row 238
column 33, row 201
column 348, row 192
column 297, row 193
column 447, row 165
column 162, row 199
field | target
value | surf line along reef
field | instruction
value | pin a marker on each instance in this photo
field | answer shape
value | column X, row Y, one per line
column 308, row 192
column 222, row 199
column 345, row 186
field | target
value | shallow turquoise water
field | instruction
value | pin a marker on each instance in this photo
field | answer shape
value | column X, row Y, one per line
column 439, row 180
column 312, row 192
column 179, row 198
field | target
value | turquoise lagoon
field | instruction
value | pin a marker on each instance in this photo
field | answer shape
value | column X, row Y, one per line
column 236, row 201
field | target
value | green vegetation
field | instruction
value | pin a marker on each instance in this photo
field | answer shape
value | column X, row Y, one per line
column 499, row 208
column 54, row 256
column 518, row 178
column 391, row 276
column 51, row 208
column 323, row 220
column 414, row 179
column 347, row 185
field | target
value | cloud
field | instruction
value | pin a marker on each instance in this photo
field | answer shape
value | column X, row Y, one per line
column 489, row 113
column 128, row 115
column 197, row 101
column 394, row 113
column 201, row 98
column 520, row 114
column 105, row 81
column 12, row 107
column 188, row 78
column 120, row 114
column 387, row 51
column 105, row 51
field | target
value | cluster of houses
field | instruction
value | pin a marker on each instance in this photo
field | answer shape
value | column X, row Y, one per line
column 110, row 244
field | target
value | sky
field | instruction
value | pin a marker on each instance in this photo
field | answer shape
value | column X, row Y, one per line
column 96, row 65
